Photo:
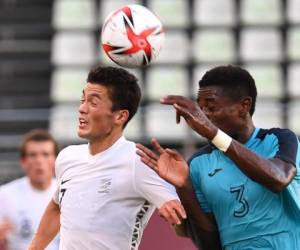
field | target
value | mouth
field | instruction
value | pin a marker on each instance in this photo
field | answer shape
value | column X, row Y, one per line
column 39, row 171
column 82, row 123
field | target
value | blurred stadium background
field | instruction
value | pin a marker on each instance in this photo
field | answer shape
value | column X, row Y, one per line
column 47, row 48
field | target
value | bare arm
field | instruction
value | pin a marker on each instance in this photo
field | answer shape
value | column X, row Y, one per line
column 188, row 198
column 274, row 174
column 48, row 228
column 173, row 168
column 207, row 230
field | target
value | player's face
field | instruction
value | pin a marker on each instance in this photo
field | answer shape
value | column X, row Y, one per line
column 96, row 118
column 38, row 163
column 221, row 110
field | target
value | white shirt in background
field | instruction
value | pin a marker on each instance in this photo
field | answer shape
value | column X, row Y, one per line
column 23, row 206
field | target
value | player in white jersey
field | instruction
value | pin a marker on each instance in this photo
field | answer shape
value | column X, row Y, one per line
column 23, row 201
column 105, row 194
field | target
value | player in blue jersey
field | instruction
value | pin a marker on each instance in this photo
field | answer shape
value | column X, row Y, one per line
column 241, row 191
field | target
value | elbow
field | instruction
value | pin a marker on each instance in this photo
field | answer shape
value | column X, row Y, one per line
column 283, row 181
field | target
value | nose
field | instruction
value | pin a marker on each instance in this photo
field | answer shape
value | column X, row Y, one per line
column 41, row 159
column 82, row 107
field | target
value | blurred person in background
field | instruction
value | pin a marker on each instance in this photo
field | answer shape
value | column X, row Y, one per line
column 105, row 194
column 240, row 190
column 23, row 201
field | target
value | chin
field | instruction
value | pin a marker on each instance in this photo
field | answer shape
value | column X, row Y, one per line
column 82, row 134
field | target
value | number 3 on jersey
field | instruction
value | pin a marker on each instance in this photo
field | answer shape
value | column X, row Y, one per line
column 244, row 206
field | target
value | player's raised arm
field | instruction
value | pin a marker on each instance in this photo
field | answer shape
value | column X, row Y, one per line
column 48, row 228
column 171, row 166
column 235, row 175
column 275, row 173
column 158, row 192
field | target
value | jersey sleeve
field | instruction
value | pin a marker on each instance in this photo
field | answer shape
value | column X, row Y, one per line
column 55, row 197
column 196, row 181
column 289, row 151
column 57, row 177
column 288, row 145
column 150, row 186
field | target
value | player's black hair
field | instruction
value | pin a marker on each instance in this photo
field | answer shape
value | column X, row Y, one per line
column 123, row 87
column 235, row 81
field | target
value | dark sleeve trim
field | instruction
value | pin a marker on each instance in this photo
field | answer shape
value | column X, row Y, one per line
column 288, row 145
column 204, row 150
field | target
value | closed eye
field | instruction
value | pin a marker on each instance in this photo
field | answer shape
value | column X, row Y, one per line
column 93, row 101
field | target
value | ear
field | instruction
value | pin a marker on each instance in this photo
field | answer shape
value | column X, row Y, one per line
column 23, row 163
column 122, row 117
column 246, row 104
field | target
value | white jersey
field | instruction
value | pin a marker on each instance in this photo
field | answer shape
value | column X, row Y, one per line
column 23, row 206
column 106, row 199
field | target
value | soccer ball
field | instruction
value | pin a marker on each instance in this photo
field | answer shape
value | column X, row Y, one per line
column 132, row 36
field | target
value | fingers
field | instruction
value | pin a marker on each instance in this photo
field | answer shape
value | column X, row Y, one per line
column 146, row 159
column 171, row 99
column 180, row 210
column 148, row 156
column 173, row 212
column 174, row 154
column 157, row 146
column 182, row 105
column 147, row 151
column 181, row 111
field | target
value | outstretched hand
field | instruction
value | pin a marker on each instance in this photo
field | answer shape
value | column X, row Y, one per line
column 172, row 212
column 193, row 115
column 167, row 163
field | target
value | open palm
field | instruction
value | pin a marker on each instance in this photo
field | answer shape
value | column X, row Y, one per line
column 167, row 163
column 173, row 168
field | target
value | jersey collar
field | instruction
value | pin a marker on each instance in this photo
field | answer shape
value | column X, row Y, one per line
column 252, row 136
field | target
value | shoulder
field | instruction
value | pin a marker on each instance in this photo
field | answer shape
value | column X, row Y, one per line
column 283, row 142
column 204, row 151
column 68, row 155
column 282, row 134
column 73, row 148
column 126, row 145
column 203, row 157
column 125, row 150
column 72, row 151
column 13, row 186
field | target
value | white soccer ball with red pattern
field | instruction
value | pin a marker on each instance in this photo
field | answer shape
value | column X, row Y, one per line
column 132, row 36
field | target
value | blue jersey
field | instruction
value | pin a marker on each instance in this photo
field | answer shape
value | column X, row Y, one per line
column 244, row 209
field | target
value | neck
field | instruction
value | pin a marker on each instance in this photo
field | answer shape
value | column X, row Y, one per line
column 99, row 145
column 40, row 185
column 245, row 132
